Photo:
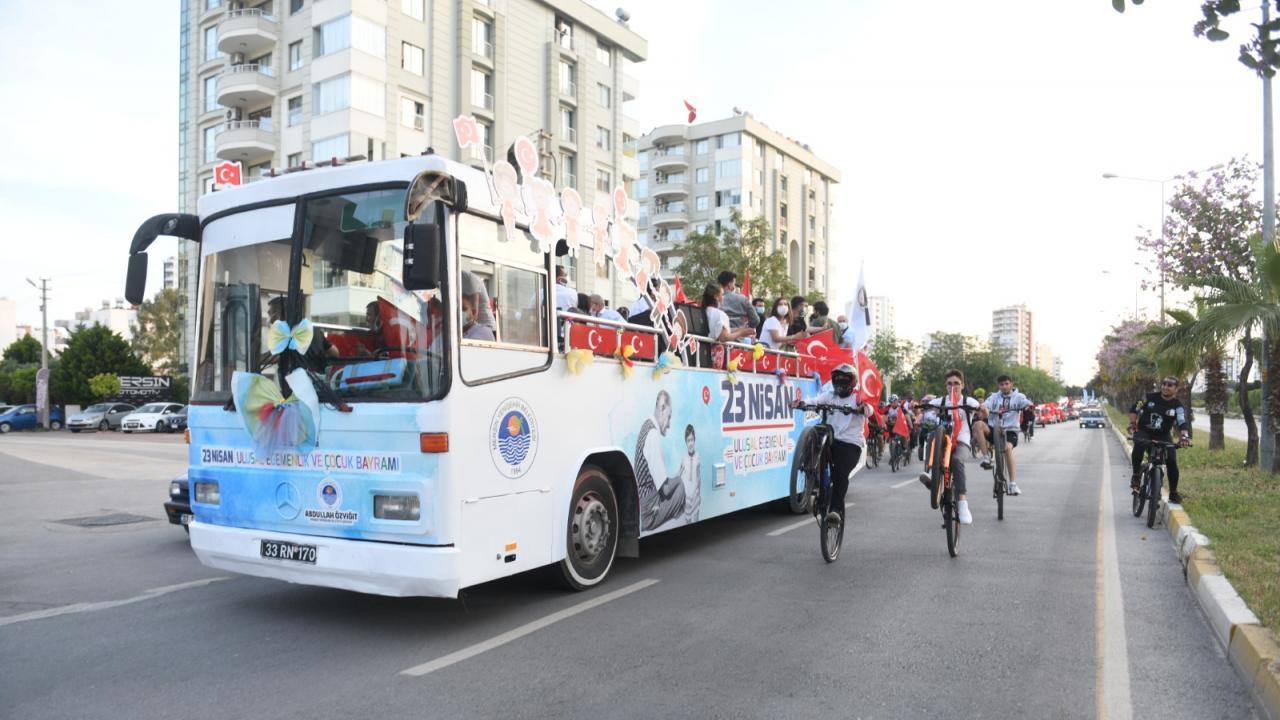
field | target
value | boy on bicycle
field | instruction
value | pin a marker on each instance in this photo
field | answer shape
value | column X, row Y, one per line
column 1006, row 406
column 1153, row 418
column 967, row 408
column 847, row 432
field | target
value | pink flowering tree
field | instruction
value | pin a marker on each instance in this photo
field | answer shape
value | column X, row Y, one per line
column 1127, row 362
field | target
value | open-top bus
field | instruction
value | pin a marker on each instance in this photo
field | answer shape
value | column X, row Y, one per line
column 443, row 425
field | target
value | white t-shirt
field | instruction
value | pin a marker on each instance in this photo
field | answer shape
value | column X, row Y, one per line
column 565, row 297
column 846, row 428
column 766, row 336
column 946, row 408
column 717, row 322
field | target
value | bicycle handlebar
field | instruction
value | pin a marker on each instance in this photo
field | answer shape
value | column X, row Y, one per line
column 823, row 407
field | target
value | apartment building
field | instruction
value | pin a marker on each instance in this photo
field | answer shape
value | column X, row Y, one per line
column 692, row 176
column 1044, row 359
column 278, row 84
column 1011, row 333
column 883, row 315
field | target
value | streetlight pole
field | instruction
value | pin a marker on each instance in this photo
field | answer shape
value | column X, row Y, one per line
column 43, row 399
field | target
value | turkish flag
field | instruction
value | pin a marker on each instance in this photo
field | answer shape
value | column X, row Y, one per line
column 900, row 425
column 598, row 339
column 644, row 343
column 817, row 346
column 680, row 296
column 869, row 383
column 746, row 284
column 226, row 174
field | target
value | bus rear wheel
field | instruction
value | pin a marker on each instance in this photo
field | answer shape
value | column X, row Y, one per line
column 591, row 541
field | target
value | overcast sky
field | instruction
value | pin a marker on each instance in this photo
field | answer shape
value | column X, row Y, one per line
column 971, row 138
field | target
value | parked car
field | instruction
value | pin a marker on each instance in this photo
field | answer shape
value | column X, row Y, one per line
column 5, row 408
column 148, row 417
column 1093, row 418
column 174, row 422
column 178, row 508
column 103, row 416
column 25, row 417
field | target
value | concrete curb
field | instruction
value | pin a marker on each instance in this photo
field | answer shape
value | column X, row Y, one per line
column 1251, row 648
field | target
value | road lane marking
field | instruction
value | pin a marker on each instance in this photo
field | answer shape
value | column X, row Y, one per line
column 903, row 483
column 1110, row 649
column 106, row 604
column 526, row 629
column 788, row 528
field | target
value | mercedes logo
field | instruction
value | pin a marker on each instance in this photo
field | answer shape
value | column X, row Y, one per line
column 288, row 501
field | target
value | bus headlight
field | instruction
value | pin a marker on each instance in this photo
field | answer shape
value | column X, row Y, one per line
column 396, row 507
column 175, row 488
column 207, row 492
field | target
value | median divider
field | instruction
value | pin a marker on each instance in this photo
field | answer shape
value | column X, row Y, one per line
column 1252, row 649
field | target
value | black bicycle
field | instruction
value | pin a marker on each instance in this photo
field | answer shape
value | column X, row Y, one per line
column 815, row 464
column 897, row 450
column 942, row 493
column 875, row 447
column 1001, row 476
column 1148, row 493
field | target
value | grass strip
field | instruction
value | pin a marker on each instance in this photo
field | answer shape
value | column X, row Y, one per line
column 1238, row 508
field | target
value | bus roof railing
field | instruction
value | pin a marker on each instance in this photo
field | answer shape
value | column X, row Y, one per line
column 689, row 359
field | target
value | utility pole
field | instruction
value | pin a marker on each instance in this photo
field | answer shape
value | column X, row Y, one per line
column 1267, row 444
column 42, row 398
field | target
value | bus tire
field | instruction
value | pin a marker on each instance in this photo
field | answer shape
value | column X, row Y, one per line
column 591, row 532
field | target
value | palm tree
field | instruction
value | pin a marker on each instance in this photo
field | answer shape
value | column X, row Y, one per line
column 1234, row 307
column 1207, row 353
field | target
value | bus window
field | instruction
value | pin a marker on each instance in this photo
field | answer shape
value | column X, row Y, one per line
column 503, row 285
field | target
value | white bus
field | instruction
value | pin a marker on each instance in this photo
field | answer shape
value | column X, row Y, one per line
column 443, row 425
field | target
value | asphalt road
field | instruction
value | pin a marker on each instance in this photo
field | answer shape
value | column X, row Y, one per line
column 1231, row 427
column 1068, row 608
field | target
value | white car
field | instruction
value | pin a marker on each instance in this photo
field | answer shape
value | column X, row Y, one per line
column 147, row 418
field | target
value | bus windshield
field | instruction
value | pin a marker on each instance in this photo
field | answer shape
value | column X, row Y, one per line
column 372, row 341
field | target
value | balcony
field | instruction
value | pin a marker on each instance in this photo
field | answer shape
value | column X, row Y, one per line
column 671, row 217
column 251, row 32
column 668, row 161
column 569, row 136
column 667, row 135
column 669, row 189
column 629, row 166
column 630, row 88
column 244, row 86
column 248, row 141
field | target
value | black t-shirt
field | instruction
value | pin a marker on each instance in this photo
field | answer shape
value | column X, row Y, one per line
column 1157, row 417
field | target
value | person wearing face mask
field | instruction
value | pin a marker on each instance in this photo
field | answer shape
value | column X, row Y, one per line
column 774, row 331
column 477, row 321
column 848, row 433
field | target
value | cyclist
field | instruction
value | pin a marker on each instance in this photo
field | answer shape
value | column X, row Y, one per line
column 848, row 434
column 1006, row 406
column 928, row 420
column 898, row 422
column 1153, row 418
column 1029, row 420
column 968, row 407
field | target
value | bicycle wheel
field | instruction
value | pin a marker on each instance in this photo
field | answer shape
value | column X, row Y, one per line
column 997, row 471
column 951, row 521
column 937, row 446
column 1140, row 495
column 894, row 460
column 801, row 479
column 1153, row 502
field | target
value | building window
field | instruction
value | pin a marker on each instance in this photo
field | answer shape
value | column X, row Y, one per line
column 294, row 6
column 729, row 168
column 726, row 198
column 782, row 183
column 295, row 116
column 564, row 31
column 211, row 4
column 604, row 54
column 412, row 113
column 701, row 229
column 606, row 95
column 412, row 58
column 351, row 31
column 813, row 224
column 702, row 147
column 415, row 9
column 642, row 189
column 702, row 202
column 760, row 149
column 333, row 36
column 644, row 213
column 568, row 129
column 604, row 180
column 355, row 91
column 295, row 159
column 369, row 95
column 295, row 55
column 211, row 93
column 486, row 135
column 728, row 140
column 782, row 210
column 675, row 235
column 702, row 175
column 206, row 185
column 569, row 165
column 210, row 149
column 568, row 75
column 604, row 138
column 813, row 250
column 211, row 43
column 331, row 94
column 329, row 148
column 642, row 158
column 481, row 89
column 481, row 37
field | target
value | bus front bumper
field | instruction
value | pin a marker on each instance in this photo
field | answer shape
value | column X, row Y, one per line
column 364, row 566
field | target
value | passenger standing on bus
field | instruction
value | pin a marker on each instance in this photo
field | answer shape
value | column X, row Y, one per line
column 719, row 324
column 598, row 309
column 662, row 496
column 741, row 311
column 774, row 331
column 565, row 296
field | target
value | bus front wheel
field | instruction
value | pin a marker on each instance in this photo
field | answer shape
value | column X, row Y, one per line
column 591, row 541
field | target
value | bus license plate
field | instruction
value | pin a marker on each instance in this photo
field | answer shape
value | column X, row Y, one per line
column 185, row 518
column 280, row 550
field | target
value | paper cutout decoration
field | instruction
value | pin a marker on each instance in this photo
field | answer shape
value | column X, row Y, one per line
column 666, row 361
column 281, row 337
column 577, row 359
column 507, row 185
column 541, row 196
column 273, row 422
column 693, row 112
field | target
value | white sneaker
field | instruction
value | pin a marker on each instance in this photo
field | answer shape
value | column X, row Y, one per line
column 966, row 518
column 1013, row 489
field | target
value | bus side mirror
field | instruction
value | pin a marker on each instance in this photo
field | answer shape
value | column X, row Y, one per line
column 422, row 243
column 135, row 284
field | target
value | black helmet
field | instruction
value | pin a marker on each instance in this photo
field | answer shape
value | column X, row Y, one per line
column 842, row 379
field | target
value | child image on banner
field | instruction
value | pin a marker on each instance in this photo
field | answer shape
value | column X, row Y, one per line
column 691, row 475
column 662, row 496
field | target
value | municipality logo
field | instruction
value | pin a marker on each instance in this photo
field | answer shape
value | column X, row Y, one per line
column 329, row 494
column 513, row 437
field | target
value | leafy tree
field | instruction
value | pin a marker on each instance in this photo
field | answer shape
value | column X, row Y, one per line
column 1259, row 54
column 23, row 351
column 1208, row 353
column 891, row 356
column 980, row 365
column 742, row 246
column 23, row 385
column 156, row 338
column 104, row 385
column 92, row 351
column 1036, row 384
column 1126, row 363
